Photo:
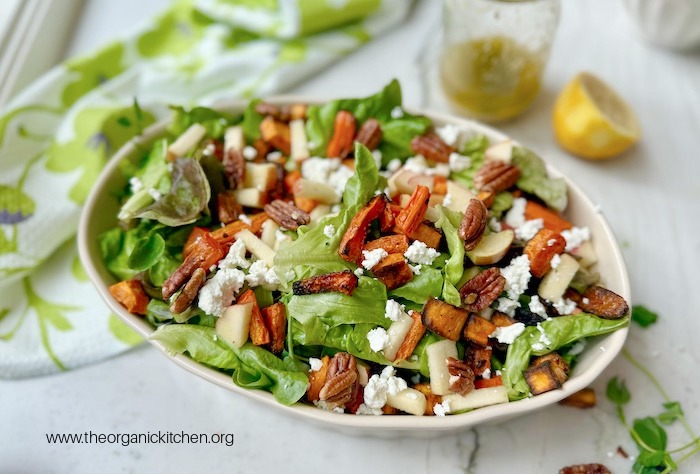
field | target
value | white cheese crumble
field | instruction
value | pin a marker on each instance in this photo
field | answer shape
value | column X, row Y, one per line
column 379, row 386
column 564, row 306
column 551, row 242
column 323, row 405
column 556, row 261
column 393, row 310
column 339, row 178
column 365, row 410
column 515, row 217
column 449, row 133
column 274, row 156
column 319, row 169
column 235, row 257
column 315, row 364
column 249, row 153
column 290, row 275
column 585, row 300
column 528, row 229
column 538, row 346
column 419, row 252
column 397, row 112
column 517, row 275
column 575, row 237
column 419, row 165
column 377, row 155
column 329, row 230
column 447, row 200
column 507, row 306
column 577, row 348
column 394, row 165
column 441, row 409
column 507, row 334
column 459, row 162
column 359, row 271
column 378, row 339
column 495, row 225
column 486, row 374
column 373, row 257
column 155, row 194
column 260, row 275
column 218, row 292
column 543, row 335
column 245, row 219
column 135, row 184
column 415, row 268
column 536, row 307
column 280, row 235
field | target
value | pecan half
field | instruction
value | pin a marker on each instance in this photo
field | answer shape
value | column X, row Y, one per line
column 473, row 224
column 370, row 134
column 461, row 376
column 432, row 148
column 487, row 197
column 600, row 301
column 189, row 292
column 234, row 168
column 341, row 380
column 278, row 113
column 496, row 176
column 287, row 215
column 585, row 469
column 227, row 208
column 482, row 290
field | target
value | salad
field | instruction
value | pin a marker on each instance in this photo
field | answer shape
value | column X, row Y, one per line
column 357, row 257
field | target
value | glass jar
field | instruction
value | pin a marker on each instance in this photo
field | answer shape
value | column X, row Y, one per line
column 494, row 54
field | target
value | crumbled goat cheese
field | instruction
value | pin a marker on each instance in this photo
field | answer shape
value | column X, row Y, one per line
column 441, row 409
column 585, row 300
column 339, row 178
column 235, row 257
column 329, row 230
column 365, row 410
column 498, row 373
column 323, row 405
column 260, row 275
column 515, row 217
column 378, row 339
column 170, row 167
column 538, row 346
column 551, row 242
column 274, row 156
column 517, row 275
column 315, row 364
column 564, row 306
column 447, row 200
column 250, row 153
column 537, row 307
column 136, row 184
column 507, row 334
column 459, row 162
column 335, row 208
column 218, row 292
column 394, row 165
column 280, row 235
column 486, row 374
column 245, row 219
column 155, row 194
column 556, row 260
column 415, row 268
column 290, row 275
column 417, row 164
column 394, row 384
column 373, row 257
column 419, row 252
column 359, row 271
column 449, row 133
column 377, row 155
column 507, row 306
column 577, row 348
column 528, row 229
column 379, row 386
column 415, row 379
column 397, row 112
column 543, row 335
column 319, row 169
column 394, row 310
column 440, row 169
column 495, row 225
column 575, row 237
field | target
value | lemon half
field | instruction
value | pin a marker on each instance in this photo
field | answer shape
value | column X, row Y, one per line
column 592, row 121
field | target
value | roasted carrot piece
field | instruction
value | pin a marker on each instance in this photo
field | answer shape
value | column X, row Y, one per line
column 305, row 204
column 551, row 219
column 290, row 179
column 207, row 251
column 541, row 248
column 192, row 240
column 226, row 234
column 130, row 294
column 354, row 238
column 393, row 271
column 413, row 337
column 390, row 243
column 412, row 215
column 428, row 235
column 259, row 335
column 501, row 320
column 341, row 142
column 387, row 219
column 494, row 381
column 275, row 317
column 337, row 282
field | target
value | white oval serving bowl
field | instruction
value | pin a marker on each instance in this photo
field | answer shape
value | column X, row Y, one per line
column 99, row 215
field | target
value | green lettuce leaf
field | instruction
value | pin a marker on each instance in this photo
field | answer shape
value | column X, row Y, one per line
column 426, row 285
column 534, row 179
column 254, row 367
column 501, row 203
column 449, row 222
column 560, row 331
column 474, row 149
column 251, row 121
column 152, row 172
column 214, row 121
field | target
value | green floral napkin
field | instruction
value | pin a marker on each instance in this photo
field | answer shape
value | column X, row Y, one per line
column 56, row 136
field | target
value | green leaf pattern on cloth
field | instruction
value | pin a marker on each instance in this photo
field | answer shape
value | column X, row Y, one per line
column 56, row 136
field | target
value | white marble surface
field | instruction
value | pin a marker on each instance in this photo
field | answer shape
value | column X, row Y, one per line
column 651, row 197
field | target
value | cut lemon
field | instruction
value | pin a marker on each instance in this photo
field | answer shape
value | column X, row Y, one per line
column 592, row 121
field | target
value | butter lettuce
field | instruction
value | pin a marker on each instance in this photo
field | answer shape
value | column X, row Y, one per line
column 474, row 149
column 214, row 121
column 426, row 285
column 454, row 266
column 534, row 179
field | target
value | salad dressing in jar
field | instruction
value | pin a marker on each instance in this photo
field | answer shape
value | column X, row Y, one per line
column 494, row 54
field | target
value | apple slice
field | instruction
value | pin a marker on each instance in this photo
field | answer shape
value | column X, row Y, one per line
column 262, row 176
column 459, row 196
column 492, row 248
column 397, row 333
column 585, row 253
column 555, row 282
column 421, row 180
column 257, row 247
column 438, row 353
column 500, row 152
column 320, row 192
column 362, row 373
column 297, row 137
column 478, row 398
column 186, row 142
column 233, row 138
column 251, row 197
column 398, row 183
column 233, row 324
column 268, row 232
column 409, row 400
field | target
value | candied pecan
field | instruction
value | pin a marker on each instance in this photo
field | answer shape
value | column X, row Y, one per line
column 189, row 292
column 287, row 215
column 473, row 224
column 461, row 376
column 600, row 301
column 341, row 380
column 227, row 207
column 482, row 290
column 234, row 168
column 370, row 134
column 496, row 176
column 432, row 148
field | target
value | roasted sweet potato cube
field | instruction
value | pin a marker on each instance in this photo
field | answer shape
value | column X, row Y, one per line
column 350, row 248
column 494, row 381
column 444, row 319
column 429, row 235
column 412, row 215
column 276, row 134
column 259, row 335
column 393, row 271
column 388, row 410
column 339, row 282
column 305, row 204
column 390, row 243
column 275, row 317
column 413, row 337
column 501, row 319
column 478, row 329
column 542, row 378
column 130, row 294
column 430, row 397
column 559, row 365
column 541, row 248
column 551, row 219
column 478, row 358
column 600, row 301
column 317, row 379
column 584, row 398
